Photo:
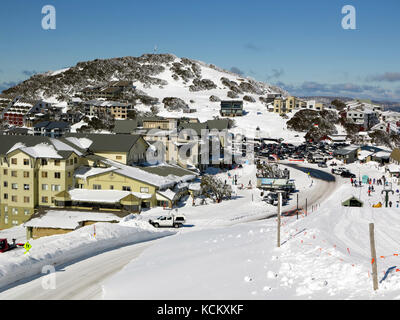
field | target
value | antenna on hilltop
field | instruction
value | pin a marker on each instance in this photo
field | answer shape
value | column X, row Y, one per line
column 155, row 49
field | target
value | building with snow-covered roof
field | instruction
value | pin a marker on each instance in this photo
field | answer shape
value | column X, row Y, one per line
column 56, row 222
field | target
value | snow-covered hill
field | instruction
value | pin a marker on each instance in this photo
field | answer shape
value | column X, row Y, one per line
column 198, row 84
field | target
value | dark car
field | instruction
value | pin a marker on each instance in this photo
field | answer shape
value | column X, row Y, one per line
column 347, row 174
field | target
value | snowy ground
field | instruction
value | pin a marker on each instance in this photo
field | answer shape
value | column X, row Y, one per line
column 79, row 244
column 325, row 255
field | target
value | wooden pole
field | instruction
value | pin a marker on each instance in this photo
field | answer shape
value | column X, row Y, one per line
column 279, row 219
column 306, row 207
column 373, row 256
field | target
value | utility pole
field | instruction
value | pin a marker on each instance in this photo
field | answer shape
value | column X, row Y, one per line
column 306, row 207
column 297, row 211
column 279, row 219
column 373, row 256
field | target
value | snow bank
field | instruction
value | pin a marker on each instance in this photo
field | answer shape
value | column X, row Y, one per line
column 79, row 244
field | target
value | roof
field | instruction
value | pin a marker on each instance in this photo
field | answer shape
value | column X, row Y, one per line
column 219, row 124
column 161, row 176
column 108, row 142
column 70, row 220
column 100, row 196
column 125, row 126
column 37, row 146
column 52, row 125
column 197, row 127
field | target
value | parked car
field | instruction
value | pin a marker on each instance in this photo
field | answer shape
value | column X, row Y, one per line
column 347, row 174
column 172, row 220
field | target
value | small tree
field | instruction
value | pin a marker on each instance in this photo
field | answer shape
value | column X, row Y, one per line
column 154, row 110
column 214, row 188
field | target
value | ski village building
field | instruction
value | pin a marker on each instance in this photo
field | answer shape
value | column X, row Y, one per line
column 20, row 110
column 85, row 172
column 231, row 108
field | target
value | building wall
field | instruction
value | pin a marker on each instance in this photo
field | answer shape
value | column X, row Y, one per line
column 115, row 156
column 21, row 202
column 45, row 232
column 114, row 181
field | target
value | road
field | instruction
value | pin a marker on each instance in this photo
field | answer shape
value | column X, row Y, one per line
column 81, row 279
column 76, row 281
column 327, row 183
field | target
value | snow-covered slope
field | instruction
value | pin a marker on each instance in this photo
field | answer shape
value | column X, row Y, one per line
column 324, row 255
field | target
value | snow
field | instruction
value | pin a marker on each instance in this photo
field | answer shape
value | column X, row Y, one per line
column 41, row 150
column 54, row 73
column 82, row 143
column 76, row 245
column 86, row 172
column 324, row 255
column 69, row 219
column 102, row 196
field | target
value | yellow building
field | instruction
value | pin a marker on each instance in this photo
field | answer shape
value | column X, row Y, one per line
column 288, row 104
column 41, row 172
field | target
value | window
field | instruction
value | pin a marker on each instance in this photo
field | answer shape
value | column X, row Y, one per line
column 14, row 174
column 26, row 162
column 69, row 174
column 14, row 198
column 118, row 157
column 14, row 161
column 26, row 174
column 126, row 188
column 5, row 172
column 44, row 174
column 45, row 187
column 14, row 186
column 6, row 219
column 5, row 184
column 57, row 162
column 57, row 175
column 75, row 160
column 97, row 187
column 15, row 222
column 27, row 212
column 144, row 189
column 45, row 199
column 26, row 186
column 55, row 187
column 44, row 162
column 111, row 187
column 26, row 199
column 5, row 196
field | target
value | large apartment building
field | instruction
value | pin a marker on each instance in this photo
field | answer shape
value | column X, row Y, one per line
column 82, row 172
column 100, row 109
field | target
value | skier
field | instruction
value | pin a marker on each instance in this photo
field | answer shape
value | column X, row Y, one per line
column 369, row 192
column 390, row 203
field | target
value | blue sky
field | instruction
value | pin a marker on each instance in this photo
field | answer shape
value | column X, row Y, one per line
column 299, row 45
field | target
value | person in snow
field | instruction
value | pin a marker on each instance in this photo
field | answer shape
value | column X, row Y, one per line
column 390, row 203
column 369, row 192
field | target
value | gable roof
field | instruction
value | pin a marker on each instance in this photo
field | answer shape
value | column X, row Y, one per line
column 125, row 126
column 108, row 142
